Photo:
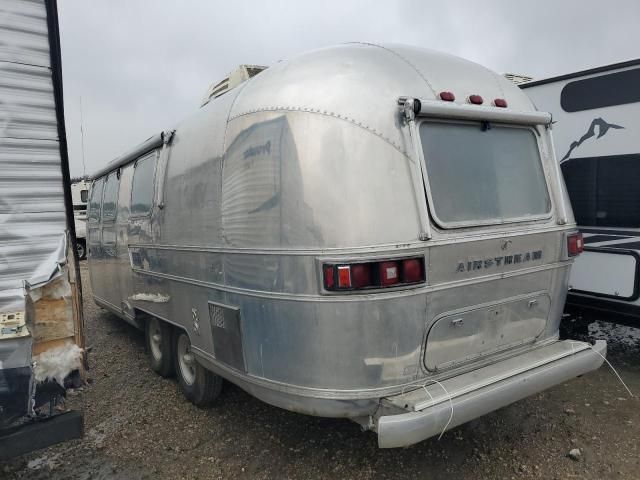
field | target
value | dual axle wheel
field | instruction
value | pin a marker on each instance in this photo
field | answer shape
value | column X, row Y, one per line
column 170, row 352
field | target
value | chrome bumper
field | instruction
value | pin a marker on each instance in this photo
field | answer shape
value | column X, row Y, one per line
column 484, row 390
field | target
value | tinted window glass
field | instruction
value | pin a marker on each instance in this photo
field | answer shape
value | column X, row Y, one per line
column 142, row 190
column 83, row 195
column 604, row 190
column 617, row 88
column 483, row 176
column 110, row 197
column 96, row 199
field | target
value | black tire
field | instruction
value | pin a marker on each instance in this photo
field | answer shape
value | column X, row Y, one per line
column 159, row 340
column 199, row 385
column 81, row 248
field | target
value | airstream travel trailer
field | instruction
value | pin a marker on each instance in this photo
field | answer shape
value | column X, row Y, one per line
column 597, row 135
column 372, row 232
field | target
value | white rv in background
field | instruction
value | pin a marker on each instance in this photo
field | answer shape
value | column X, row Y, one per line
column 596, row 128
column 79, row 196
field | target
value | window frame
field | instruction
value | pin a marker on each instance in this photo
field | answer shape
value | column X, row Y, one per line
column 103, row 217
column 154, row 155
column 489, row 222
column 98, row 218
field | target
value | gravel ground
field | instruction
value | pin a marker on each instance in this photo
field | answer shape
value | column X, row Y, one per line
column 138, row 426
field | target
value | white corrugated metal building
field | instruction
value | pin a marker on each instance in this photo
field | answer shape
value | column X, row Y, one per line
column 40, row 296
column 32, row 211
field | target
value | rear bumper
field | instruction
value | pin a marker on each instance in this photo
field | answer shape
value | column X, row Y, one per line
column 484, row 390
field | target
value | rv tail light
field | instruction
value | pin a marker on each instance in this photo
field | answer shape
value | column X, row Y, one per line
column 344, row 276
column 476, row 99
column 575, row 244
column 361, row 275
column 500, row 102
column 447, row 96
column 389, row 273
column 373, row 274
column 329, row 279
column 412, row 270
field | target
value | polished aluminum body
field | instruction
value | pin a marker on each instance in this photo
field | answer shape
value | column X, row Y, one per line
column 314, row 160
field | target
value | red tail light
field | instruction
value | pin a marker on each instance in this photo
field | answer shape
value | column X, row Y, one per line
column 344, row 276
column 500, row 102
column 412, row 270
column 361, row 275
column 370, row 275
column 476, row 99
column 447, row 96
column 329, row 280
column 575, row 244
column 389, row 273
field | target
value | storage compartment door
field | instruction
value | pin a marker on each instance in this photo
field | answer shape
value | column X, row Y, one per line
column 606, row 272
column 463, row 336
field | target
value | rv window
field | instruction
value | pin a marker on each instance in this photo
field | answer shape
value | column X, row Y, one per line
column 603, row 190
column 483, row 174
column 96, row 199
column 608, row 90
column 142, row 189
column 110, row 197
column 83, row 195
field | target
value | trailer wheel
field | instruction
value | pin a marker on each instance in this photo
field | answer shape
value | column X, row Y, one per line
column 200, row 386
column 158, row 340
column 81, row 249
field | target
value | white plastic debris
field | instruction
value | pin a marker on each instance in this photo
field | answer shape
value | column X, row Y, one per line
column 57, row 363
column 150, row 297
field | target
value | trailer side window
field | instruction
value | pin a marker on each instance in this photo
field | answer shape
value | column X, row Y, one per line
column 110, row 197
column 96, row 200
column 479, row 175
column 604, row 191
column 142, row 189
column 618, row 88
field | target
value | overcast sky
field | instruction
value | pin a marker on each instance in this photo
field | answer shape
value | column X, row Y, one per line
column 141, row 66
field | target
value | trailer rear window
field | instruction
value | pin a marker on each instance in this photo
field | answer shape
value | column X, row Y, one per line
column 609, row 90
column 479, row 175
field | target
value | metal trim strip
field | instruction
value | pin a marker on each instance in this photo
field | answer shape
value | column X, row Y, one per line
column 414, row 245
column 439, row 109
column 378, row 295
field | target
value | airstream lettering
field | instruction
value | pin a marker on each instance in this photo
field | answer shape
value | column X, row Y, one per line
column 379, row 233
column 499, row 261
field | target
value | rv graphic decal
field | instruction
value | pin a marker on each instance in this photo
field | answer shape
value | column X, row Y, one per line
column 499, row 261
column 257, row 150
column 597, row 122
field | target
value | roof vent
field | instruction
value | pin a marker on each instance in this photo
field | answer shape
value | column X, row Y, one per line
column 517, row 78
column 235, row 78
